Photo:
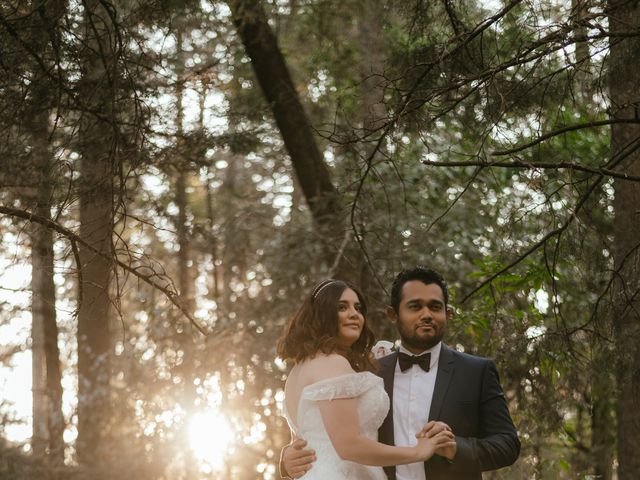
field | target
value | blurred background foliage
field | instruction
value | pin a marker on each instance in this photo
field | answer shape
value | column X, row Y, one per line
column 447, row 133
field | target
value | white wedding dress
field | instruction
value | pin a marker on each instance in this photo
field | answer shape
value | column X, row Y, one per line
column 373, row 405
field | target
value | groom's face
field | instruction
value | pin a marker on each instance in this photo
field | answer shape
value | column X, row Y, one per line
column 421, row 317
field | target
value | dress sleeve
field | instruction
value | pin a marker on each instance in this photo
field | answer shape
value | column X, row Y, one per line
column 350, row 385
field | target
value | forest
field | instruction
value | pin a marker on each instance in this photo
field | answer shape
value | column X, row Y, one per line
column 176, row 175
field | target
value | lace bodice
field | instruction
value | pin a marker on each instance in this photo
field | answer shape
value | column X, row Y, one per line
column 373, row 405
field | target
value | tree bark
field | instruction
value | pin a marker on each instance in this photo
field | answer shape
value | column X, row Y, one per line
column 275, row 81
column 42, row 291
column 372, row 60
column 602, row 422
column 370, row 40
column 48, row 419
column 624, row 16
column 344, row 257
column 185, row 268
column 40, row 434
column 98, row 149
column 185, row 276
column 187, row 369
column 579, row 11
column 214, row 286
column 213, row 243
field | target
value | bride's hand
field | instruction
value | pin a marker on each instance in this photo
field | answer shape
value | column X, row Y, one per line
column 427, row 446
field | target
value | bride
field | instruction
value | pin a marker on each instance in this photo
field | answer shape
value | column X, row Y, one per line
column 332, row 398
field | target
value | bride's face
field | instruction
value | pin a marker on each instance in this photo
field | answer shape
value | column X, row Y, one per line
column 350, row 318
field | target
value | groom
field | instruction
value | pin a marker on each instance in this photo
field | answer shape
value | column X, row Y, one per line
column 433, row 386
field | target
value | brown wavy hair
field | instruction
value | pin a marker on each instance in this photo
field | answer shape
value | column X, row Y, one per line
column 314, row 328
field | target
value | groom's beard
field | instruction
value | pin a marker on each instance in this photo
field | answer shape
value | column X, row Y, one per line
column 410, row 338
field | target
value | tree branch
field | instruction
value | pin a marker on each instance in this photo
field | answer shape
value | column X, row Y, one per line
column 173, row 296
column 535, row 246
column 564, row 130
column 606, row 172
column 630, row 148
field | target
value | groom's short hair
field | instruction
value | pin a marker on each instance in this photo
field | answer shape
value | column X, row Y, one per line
column 422, row 274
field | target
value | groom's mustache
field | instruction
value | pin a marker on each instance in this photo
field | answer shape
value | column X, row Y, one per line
column 425, row 324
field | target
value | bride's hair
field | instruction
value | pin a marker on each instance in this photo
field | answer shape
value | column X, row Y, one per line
column 314, row 328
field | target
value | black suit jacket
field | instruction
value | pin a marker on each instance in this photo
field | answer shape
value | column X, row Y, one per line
column 468, row 397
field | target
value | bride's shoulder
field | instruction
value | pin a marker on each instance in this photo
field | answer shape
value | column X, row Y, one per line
column 333, row 360
column 333, row 378
column 324, row 366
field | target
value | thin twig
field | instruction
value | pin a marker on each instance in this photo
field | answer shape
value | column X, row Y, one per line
column 173, row 297
column 605, row 172
column 562, row 131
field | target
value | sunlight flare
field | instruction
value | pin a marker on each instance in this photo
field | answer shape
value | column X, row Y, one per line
column 210, row 438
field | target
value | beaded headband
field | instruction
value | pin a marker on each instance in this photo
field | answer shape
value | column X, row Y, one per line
column 321, row 286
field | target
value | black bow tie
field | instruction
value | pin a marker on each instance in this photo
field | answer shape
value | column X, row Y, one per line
column 407, row 360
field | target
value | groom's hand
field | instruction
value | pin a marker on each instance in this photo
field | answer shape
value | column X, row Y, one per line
column 448, row 451
column 432, row 429
column 295, row 460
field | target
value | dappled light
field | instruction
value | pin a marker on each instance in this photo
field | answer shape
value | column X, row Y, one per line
column 211, row 438
column 175, row 176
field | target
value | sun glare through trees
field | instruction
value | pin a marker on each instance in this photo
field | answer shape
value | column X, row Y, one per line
column 176, row 175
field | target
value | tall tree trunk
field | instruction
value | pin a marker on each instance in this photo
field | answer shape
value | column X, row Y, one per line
column 343, row 256
column 579, row 12
column 275, row 81
column 370, row 36
column 214, row 286
column 48, row 420
column 185, row 266
column 186, row 277
column 601, row 381
column 372, row 59
column 230, row 194
column 213, row 243
column 602, row 421
column 40, row 433
column 582, row 77
column 185, row 274
column 624, row 16
column 97, row 148
column 42, row 291
column 185, row 269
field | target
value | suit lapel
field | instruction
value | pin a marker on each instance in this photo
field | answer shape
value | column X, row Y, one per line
column 443, row 378
column 387, row 372
column 385, row 433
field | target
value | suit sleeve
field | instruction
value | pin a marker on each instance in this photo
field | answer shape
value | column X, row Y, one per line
column 497, row 444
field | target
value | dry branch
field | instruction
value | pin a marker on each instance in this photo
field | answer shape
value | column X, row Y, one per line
column 605, row 172
column 173, row 296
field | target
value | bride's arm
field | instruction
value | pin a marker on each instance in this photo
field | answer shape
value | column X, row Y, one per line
column 340, row 419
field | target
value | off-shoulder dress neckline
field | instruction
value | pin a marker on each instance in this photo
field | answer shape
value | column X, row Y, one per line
column 294, row 425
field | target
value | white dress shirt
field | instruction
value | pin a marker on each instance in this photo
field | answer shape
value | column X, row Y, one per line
column 412, row 395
